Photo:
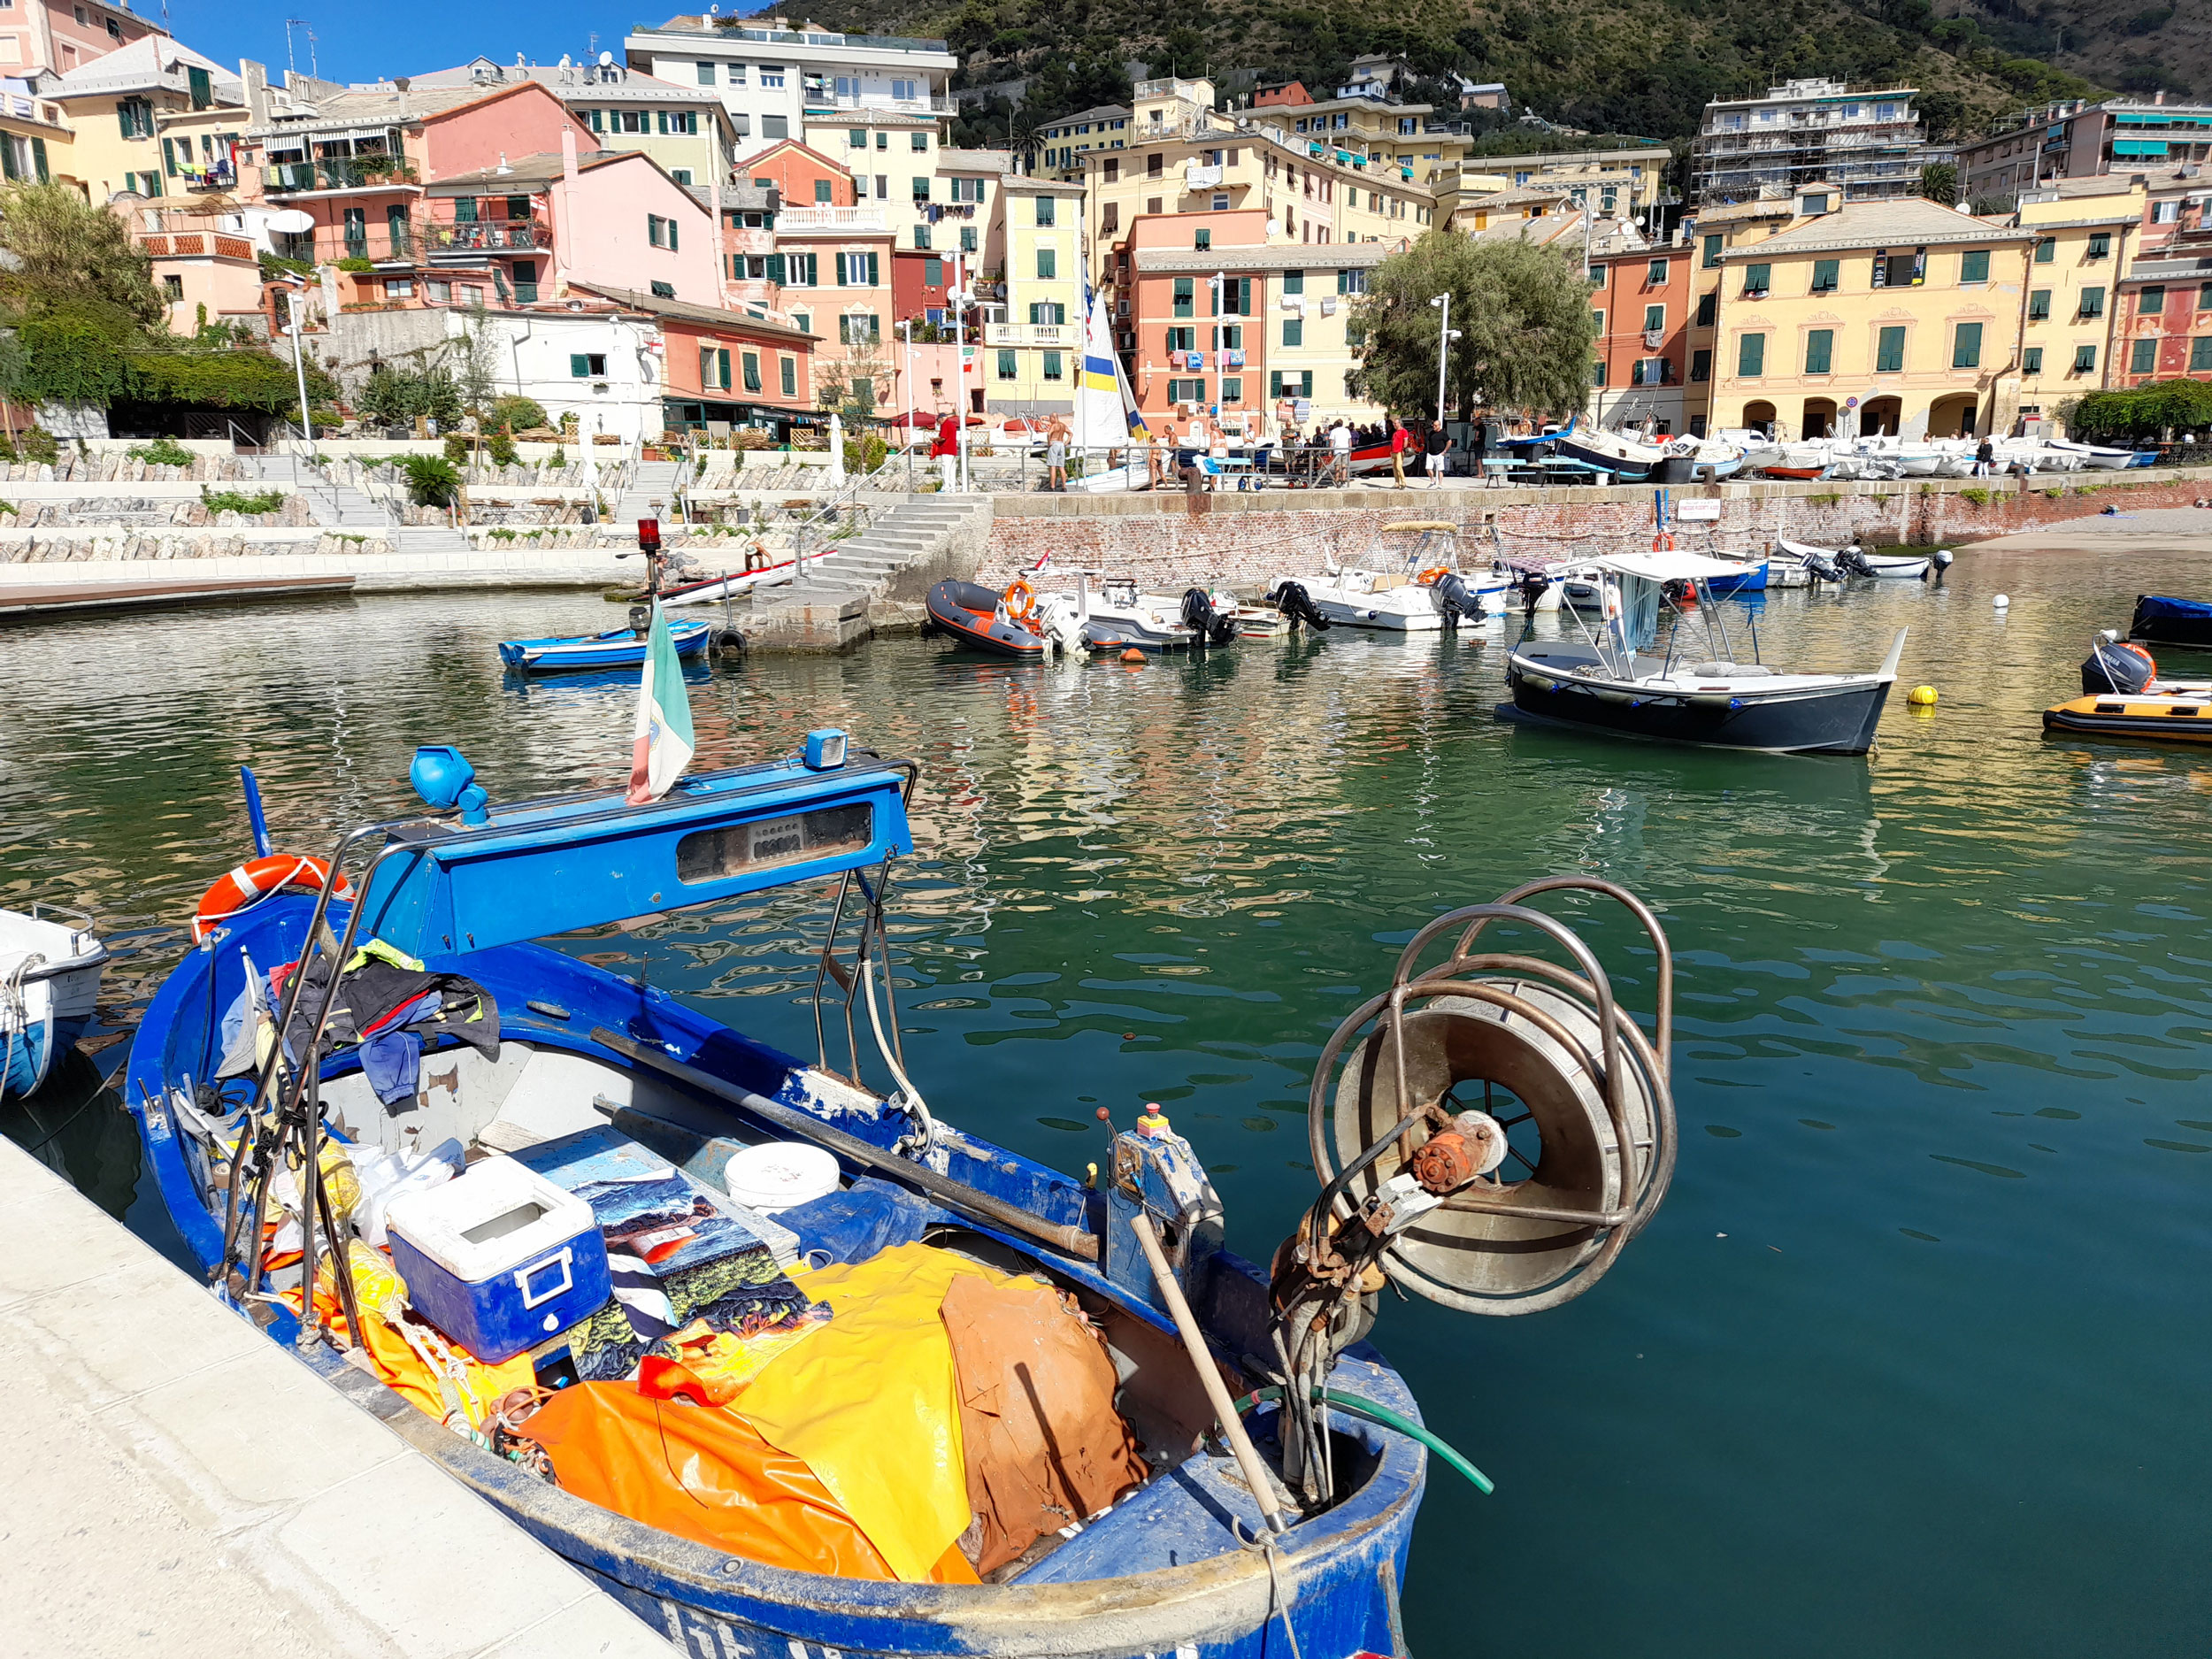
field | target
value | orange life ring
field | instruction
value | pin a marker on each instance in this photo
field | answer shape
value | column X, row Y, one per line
column 1664, row 542
column 1029, row 599
column 1434, row 575
column 254, row 881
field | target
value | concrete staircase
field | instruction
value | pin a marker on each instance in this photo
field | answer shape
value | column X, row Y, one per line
column 877, row 579
column 342, row 508
column 652, row 481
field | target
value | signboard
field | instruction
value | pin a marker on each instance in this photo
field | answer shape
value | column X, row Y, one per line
column 1691, row 511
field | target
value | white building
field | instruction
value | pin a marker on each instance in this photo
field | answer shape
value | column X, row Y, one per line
column 770, row 76
column 1803, row 132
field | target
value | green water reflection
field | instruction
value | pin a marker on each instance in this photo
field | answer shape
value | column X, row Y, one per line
column 1913, row 1359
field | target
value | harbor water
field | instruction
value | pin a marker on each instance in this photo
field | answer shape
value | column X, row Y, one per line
column 1911, row 1361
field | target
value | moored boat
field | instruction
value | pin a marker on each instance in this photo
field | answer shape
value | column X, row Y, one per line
column 1151, row 1486
column 616, row 648
column 2123, row 697
column 50, row 976
column 2160, row 620
column 1417, row 587
column 1004, row 625
column 759, row 570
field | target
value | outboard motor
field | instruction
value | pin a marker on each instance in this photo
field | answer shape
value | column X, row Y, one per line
column 1852, row 561
column 1823, row 568
column 1208, row 626
column 1292, row 600
column 1939, row 563
column 1458, row 599
column 2117, row 667
column 640, row 621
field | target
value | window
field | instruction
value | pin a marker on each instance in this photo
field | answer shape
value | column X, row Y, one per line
column 1826, row 275
column 1597, row 372
column 2084, row 359
column 2032, row 360
column 856, row 138
column 1294, row 331
column 682, row 123
column 1203, row 237
column 1655, row 318
column 1889, row 352
column 967, row 239
column 800, row 270
column 399, row 288
column 883, row 186
column 1813, row 202
column 1820, row 344
column 1351, row 281
column 822, row 192
column 1597, row 322
column 2165, row 212
column 1109, row 218
column 2093, row 301
column 1974, row 265
column 2099, row 244
column 2151, row 302
column 1152, row 166
column 752, row 370
column 1897, row 270
column 1751, row 355
column 1966, row 346
column 1294, row 283
column 1047, row 265
column 135, row 116
column 2038, row 305
column 172, row 287
column 1006, row 366
column 1182, row 340
column 1655, row 275
column 857, row 270
column 917, row 142
column 2200, row 354
column 787, row 370
column 1707, row 304
column 2046, row 249
column 1232, row 390
column 660, row 232
column 1187, row 391
column 967, row 189
column 681, row 175
column 1053, row 366
column 706, row 75
column 921, row 236
column 2204, row 297
column 437, row 292
column 1183, row 302
column 803, row 321
column 661, row 290
column 775, row 126
column 1756, row 277
column 921, row 188
column 1046, row 213
column 1713, row 245
column 934, row 273
column 2142, row 356
column 904, row 90
column 1298, row 385
column 771, row 75
column 714, row 369
column 859, row 331
column 203, row 89
column 1700, row 365
column 587, row 365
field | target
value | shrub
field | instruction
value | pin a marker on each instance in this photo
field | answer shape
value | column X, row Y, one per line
column 457, row 448
column 431, row 482
column 560, row 458
column 500, row 448
column 161, row 452
column 865, row 453
column 355, row 265
column 238, row 501
column 1979, row 496
column 32, row 444
column 517, row 414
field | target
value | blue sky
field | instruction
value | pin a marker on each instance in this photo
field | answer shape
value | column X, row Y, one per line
column 402, row 37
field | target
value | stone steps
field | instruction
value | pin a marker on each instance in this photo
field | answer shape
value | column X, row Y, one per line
column 878, row 578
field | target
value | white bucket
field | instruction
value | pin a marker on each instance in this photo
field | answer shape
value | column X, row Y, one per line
column 779, row 1175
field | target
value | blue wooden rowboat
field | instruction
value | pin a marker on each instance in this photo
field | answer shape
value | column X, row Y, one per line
column 1190, row 1562
column 618, row 648
column 1752, row 580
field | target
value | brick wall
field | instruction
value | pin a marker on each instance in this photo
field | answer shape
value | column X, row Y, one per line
column 1249, row 539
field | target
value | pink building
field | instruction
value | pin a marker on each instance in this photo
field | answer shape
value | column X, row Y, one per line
column 60, row 34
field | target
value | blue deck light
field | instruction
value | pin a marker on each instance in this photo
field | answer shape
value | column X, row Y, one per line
column 444, row 779
column 824, row 749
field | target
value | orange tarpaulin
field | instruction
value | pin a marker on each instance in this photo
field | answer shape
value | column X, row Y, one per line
column 707, row 1475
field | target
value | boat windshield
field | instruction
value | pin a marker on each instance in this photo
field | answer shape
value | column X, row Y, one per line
column 1412, row 547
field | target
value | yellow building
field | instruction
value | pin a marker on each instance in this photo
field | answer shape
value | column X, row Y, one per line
column 117, row 105
column 1033, row 344
column 1910, row 310
column 1423, row 148
column 35, row 147
column 2083, row 242
column 1071, row 136
column 1612, row 183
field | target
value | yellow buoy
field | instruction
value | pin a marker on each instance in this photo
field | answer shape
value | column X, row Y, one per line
column 1921, row 697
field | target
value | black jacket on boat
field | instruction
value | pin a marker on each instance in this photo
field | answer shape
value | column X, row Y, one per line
column 375, row 988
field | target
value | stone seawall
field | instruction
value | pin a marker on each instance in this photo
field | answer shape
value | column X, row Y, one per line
column 1245, row 540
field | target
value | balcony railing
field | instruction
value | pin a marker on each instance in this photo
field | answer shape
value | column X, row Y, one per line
column 926, row 104
column 489, row 236
column 344, row 173
column 818, row 220
column 197, row 245
column 381, row 244
column 220, row 176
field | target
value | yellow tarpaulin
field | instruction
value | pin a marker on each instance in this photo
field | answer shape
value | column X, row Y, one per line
column 868, row 1402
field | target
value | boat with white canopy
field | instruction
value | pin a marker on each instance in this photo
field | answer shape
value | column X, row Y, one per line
column 1708, row 688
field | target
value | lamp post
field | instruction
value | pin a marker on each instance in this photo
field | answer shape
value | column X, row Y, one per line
column 1446, row 335
column 906, row 425
column 959, row 297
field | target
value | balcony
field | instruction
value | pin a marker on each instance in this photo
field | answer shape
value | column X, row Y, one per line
column 392, row 242
column 338, row 172
column 195, row 245
column 928, row 104
column 468, row 243
column 1061, row 335
column 830, row 221
column 218, row 176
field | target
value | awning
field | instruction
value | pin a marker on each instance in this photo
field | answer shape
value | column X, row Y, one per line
column 2139, row 146
column 1666, row 567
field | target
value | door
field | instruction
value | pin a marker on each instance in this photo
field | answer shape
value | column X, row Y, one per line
column 357, row 232
column 402, row 241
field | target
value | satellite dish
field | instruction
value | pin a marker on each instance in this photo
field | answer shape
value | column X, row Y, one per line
column 606, row 60
column 291, row 221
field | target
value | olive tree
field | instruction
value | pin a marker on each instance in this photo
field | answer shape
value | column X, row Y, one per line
column 1522, row 312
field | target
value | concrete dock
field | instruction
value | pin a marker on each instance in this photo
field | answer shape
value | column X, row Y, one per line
column 178, row 1484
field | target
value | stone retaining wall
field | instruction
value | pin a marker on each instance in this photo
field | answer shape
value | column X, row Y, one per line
column 81, row 549
column 1249, row 539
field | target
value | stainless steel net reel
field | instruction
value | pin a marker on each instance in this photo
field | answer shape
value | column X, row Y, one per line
column 1490, row 1133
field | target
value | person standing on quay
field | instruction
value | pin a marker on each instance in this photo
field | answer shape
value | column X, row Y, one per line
column 1401, row 440
column 1341, row 454
column 1437, row 447
column 946, row 451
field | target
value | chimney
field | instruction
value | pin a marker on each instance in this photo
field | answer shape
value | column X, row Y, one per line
column 257, row 82
column 568, row 154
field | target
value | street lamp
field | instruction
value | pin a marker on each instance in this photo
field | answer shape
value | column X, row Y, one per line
column 1446, row 335
column 293, row 283
column 906, row 427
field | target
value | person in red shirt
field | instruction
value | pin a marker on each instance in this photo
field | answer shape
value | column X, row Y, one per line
column 946, row 451
column 1401, row 440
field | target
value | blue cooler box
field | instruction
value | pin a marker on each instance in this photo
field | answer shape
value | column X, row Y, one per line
column 499, row 1259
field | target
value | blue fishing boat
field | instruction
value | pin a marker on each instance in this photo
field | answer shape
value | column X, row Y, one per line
column 1265, row 1515
column 616, row 648
column 1751, row 580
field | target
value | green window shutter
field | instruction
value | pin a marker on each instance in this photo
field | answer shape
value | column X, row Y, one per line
column 775, row 269
column 661, row 122
column 1819, row 348
column 1712, row 252
column 790, row 377
column 2093, row 301
column 822, row 192
column 2143, row 357
column 1825, row 275
column 2046, row 250
column 579, row 365
column 169, row 156
column 1751, row 355
column 2032, row 360
column 875, row 279
column 1294, row 331
column 38, row 160
column 1966, row 347
column 464, row 210
column 837, row 263
column 1757, row 278
column 1305, row 383
column 722, row 369
column 1294, row 281
column 1048, row 265
column 2038, row 304
column 672, row 235
column 1974, row 265
column 2151, row 302
column 2200, row 354
column 1889, row 352
column 126, row 120
column 598, row 120
column 1183, row 296
column 8, row 169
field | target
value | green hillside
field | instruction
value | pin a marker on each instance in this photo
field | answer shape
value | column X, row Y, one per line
column 1644, row 66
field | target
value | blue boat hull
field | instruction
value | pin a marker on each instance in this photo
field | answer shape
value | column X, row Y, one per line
column 1164, row 1573
column 1754, row 580
column 619, row 648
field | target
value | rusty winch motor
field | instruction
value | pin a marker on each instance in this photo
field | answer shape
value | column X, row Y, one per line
column 1490, row 1133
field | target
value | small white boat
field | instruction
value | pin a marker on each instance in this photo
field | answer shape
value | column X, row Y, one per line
column 2095, row 455
column 50, row 975
column 1856, row 561
column 731, row 583
column 1419, row 590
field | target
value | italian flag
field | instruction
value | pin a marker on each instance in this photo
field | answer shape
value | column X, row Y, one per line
column 660, row 746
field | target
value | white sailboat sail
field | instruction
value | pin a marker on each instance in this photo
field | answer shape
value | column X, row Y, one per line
column 1100, row 422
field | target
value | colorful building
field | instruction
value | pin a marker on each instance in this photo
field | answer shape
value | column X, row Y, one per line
column 836, row 284
column 1867, row 145
column 1642, row 308
column 1035, row 336
column 57, row 36
column 1105, row 126
column 121, row 105
column 685, row 128
column 2071, row 333
column 2074, row 139
column 36, row 144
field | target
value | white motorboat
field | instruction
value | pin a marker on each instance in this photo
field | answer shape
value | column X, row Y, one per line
column 50, row 975
column 1611, row 681
column 1856, row 561
column 1412, row 588
column 1716, row 458
column 2095, row 455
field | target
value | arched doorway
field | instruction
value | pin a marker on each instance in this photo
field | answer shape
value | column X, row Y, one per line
column 1952, row 417
column 1820, row 418
column 1879, row 416
column 1759, row 417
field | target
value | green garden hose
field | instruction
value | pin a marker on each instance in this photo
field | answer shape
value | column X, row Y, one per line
column 1389, row 1418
